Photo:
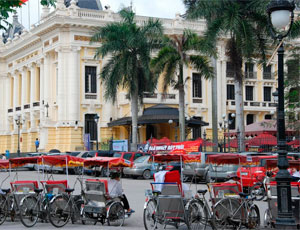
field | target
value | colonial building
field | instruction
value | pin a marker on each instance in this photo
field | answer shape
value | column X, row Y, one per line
column 49, row 80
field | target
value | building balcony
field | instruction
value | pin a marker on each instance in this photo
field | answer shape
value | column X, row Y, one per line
column 36, row 104
column 250, row 75
column 268, row 76
column 18, row 108
column 90, row 96
column 197, row 100
column 230, row 73
column 27, row 106
column 150, row 95
column 253, row 104
column 10, row 110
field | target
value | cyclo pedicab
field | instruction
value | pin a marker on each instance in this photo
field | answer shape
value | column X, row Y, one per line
column 271, row 214
column 12, row 198
column 98, row 205
column 166, row 202
column 46, row 203
column 230, row 208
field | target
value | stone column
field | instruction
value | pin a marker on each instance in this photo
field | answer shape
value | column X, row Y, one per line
column 61, row 87
column 45, row 75
column 32, row 95
column 41, row 88
column 73, row 81
column 24, row 86
column 16, row 90
column 7, row 89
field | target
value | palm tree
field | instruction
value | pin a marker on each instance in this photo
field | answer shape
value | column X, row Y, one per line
column 129, row 47
column 170, row 61
column 244, row 23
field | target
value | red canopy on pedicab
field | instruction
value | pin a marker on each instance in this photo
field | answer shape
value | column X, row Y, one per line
column 273, row 163
column 233, row 158
column 263, row 139
column 62, row 161
column 21, row 161
column 107, row 161
column 4, row 164
column 294, row 142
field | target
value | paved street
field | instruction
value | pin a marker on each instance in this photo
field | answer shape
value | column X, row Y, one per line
column 134, row 190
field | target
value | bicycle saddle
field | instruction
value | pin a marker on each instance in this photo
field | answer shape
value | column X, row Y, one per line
column 244, row 195
column 69, row 190
column 202, row 191
column 156, row 192
column 37, row 190
column 6, row 190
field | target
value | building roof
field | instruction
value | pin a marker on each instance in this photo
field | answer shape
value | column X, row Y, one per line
column 87, row 4
column 158, row 114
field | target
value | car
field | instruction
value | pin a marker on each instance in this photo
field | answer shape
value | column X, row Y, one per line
column 142, row 167
column 128, row 157
column 198, row 170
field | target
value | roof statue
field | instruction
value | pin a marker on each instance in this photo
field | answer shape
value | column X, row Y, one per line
column 15, row 28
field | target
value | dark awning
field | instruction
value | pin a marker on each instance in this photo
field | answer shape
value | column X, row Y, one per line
column 158, row 114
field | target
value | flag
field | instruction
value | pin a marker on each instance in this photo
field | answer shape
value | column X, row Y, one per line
column 22, row 2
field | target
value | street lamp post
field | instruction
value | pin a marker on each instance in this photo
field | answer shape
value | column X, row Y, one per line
column 19, row 122
column 96, row 118
column 281, row 17
column 171, row 122
column 225, row 124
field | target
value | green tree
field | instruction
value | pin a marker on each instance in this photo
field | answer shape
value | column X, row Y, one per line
column 129, row 47
column 244, row 24
column 292, row 89
column 177, row 53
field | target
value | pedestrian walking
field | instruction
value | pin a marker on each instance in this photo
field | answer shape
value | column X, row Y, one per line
column 37, row 144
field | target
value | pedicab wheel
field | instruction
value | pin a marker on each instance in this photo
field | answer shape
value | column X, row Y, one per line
column 29, row 211
column 3, row 209
column 59, row 211
column 267, row 219
column 258, row 191
column 253, row 218
column 197, row 215
column 149, row 215
column 116, row 214
column 223, row 214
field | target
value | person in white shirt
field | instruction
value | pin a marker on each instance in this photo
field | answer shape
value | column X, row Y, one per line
column 3, row 157
column 115, row 190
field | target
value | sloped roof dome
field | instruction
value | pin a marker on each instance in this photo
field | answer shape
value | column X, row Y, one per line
column 87, row 4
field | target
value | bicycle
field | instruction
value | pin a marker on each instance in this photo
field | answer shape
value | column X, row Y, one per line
column 64, row 207
column 33, row 207
column 233, row 213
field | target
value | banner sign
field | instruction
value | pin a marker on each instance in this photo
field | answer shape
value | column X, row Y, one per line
column 188, row 146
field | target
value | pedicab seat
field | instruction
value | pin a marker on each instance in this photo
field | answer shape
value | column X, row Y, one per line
column 55, row 186
column 221, row 190
column 96, row 195
column 6, row 190
column 22, row 188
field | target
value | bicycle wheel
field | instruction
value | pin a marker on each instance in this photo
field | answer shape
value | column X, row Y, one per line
column 253, row 218
column 59, row 211
column 29, row 211
column 267, row 219
column 226, row 215
column 258, row 191
column 3, row 209
column 198, row 215
column 116, row 214
column 149, row 214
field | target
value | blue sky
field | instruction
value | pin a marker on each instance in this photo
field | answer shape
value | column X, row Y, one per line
column 154, row 8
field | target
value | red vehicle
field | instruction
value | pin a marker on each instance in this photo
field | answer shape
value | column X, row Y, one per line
column 252, row 173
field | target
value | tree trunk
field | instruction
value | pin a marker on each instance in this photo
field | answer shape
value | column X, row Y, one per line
column 134, row 115
column 181, row 105
column 214, row 98
column 240, row 113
